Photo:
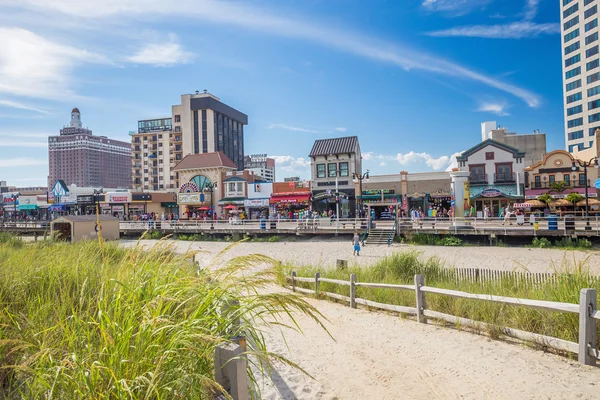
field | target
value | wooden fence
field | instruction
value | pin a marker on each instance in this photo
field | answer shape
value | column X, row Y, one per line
column 586, row 309
column 524, row 278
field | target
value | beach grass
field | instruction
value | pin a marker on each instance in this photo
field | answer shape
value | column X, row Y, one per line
column 400, row 268
column 96, row 321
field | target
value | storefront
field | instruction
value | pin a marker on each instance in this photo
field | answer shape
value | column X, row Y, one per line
column 27, row 207
column 495, row 197
column 291, row 204
column 326, row 201
column 117, row 202
column 194, row 203
column 255, row 208
column 381, row 203
column 86, row 205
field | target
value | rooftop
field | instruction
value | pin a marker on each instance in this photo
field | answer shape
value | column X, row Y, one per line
column 325, row 147
column 205, row 160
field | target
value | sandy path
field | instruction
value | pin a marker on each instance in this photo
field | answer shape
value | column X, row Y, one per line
column 381, row 356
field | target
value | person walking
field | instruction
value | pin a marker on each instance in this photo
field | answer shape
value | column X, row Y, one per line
column 486, row 213
column 356, row 243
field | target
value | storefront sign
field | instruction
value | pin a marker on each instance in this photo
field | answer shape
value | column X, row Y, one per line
column 27, row 200
column 491, row 192
column 118, row 209
column 256, row 203
column 85, row 199
column 118, row 197
column 70, row 198
column 292, row 179
column 50, row 198
column 378, row 191
column 193, row 198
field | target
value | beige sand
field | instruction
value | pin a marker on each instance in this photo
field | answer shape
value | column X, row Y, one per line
column 381, row 356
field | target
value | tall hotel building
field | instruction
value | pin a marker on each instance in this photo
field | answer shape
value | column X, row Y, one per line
column 76, row 156
column 581, row 75
column 200, row 124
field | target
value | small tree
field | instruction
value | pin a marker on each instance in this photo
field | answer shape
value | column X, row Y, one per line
column 546, row 198
column 574, row 198
column 558, row 187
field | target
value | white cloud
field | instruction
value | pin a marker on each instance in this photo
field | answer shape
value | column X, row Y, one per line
column 453, row 161
column 21, row 106
column 515, row 30
column 165, row 54
column 290, row 128
column 341, row 129
column 34, row 66
column 246, row 16
column 494, row 108
column 531, row 9
column 412, row 158
column 367, row 156
column 21, row 162
column 454, row 7
column 382, row 164
column 287, row 166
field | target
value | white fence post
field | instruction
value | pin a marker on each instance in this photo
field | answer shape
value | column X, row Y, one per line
column 420, row 298
column 293, row 281
column 353, row 291
column 231, row 370
column 587, row 326
column 317, row 277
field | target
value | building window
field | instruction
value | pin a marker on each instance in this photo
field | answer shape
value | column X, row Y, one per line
column 178, row 118
column 572, row 72
column 320, row 170
column 572, row 60
column 586, row 2
column 344, row 169
column 594, row 117
column 571, row 23
column 590, row 11
column 591, row 25
column 591, row 51
column 551, row 179
column 571, row 10
column 232, row 186
column 332, row 170
column 592, row 64
column 574, row 97
column 240, row 187
column 575, row 135
column 567, row 179
column 477, row 173
column 504, row 172
column 204, row 133
column 538, row 181
column 575, row 110
column 575, row 122
column 592, row 38
column 196, row 133
column 571, row 48
column 582, row 181
column 571, row 35
column 573, row 85
column 565, row 2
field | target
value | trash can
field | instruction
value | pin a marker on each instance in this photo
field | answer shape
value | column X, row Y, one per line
column 569, row 223
column 536, row 226
column 552, row 222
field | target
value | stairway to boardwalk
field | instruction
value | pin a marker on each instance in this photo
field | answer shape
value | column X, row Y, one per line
column 379, row 236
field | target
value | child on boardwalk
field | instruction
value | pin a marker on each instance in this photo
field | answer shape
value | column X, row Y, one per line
column 356, row 243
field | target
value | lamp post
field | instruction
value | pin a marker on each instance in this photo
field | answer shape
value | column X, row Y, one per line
column 97, row 194
column 210, row 188
column 593, row 161
column 360, row 178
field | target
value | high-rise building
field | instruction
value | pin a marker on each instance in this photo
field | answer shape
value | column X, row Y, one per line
column 78, row 157
column 581, row 74
column 262, row 166
column 200, row 124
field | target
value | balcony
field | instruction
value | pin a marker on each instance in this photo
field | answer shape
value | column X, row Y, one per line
column 509, row 177
column 568, row 184
column 478, row 179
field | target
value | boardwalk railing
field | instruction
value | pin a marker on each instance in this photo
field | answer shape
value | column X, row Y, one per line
column 586, row 309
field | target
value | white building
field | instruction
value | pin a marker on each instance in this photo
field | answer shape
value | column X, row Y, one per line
column 581, row 74
column 496, row 175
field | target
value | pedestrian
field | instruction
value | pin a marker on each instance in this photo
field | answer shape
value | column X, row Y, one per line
column 486, row 213
column 472, row 211
column 356, row 243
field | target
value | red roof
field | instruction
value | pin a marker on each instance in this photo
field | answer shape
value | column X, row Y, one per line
column 205, row 160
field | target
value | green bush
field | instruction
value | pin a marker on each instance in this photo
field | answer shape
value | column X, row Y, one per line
column 451, row 241
column 434, row 240
column 84, row 321
column 273, row 239
column 11, row 240
column 542, row 243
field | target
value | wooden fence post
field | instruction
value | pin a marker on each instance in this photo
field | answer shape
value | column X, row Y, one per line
column 231, row 370
column 587, row 326
column 317, row 276
column 293, row 281
column 420, row 297
column 353, row 290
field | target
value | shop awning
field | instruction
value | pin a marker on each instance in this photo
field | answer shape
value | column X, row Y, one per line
column 232, row 200
column 299, row 198
column 168, row 205
column 58, row 207
column 26, row 207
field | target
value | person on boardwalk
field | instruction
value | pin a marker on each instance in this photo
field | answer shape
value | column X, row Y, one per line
column 356, row 243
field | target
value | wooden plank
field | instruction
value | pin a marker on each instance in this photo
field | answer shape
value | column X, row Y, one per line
column 337, row 296
column 385, row 286
column 336, row 281
column 596, row 314
column 549, row 341
column 302, row 290
column 308, row 280
column 538, row 304
column 389, row 307
column 420, row 298
column 353, row 290
column 587, row 326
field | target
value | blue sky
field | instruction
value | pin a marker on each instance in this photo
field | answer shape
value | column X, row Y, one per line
column 412, row 78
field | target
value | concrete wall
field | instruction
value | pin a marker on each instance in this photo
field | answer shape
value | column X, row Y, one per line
column 534, row 145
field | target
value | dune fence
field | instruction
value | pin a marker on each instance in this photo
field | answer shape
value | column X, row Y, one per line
column 587, row 312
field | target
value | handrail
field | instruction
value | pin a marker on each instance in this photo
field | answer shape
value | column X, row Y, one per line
column 392, row 232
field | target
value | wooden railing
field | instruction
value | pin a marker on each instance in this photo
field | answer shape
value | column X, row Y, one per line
column 586, row 309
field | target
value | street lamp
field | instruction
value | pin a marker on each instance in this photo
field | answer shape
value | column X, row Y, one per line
column 593, row 161
column 360, row 178
column 97, row 194
column 210, row 188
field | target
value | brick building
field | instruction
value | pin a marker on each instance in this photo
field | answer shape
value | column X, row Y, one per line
column 78, row 157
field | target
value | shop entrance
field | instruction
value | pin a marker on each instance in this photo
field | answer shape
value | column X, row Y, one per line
column 494, row 204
